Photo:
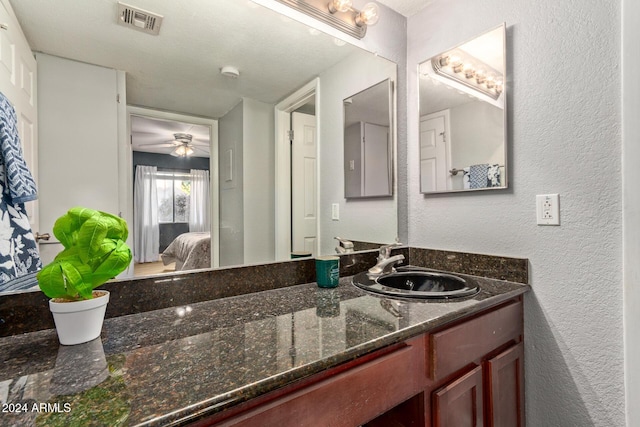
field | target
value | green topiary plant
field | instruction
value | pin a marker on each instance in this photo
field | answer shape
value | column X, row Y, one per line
column 95, row 251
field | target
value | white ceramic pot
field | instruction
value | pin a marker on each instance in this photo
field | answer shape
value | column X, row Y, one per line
column 78, row 322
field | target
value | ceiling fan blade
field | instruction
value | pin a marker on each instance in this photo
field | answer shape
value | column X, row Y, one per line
column 159, row 145
column 200, row 149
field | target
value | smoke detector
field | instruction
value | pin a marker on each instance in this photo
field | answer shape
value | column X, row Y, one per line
column 230, row 71
column 139, row 19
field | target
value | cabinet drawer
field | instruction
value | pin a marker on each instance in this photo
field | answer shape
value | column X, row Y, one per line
column 455, row 347
column 350, row 398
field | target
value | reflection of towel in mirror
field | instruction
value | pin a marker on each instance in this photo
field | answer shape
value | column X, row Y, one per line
column 19, row 258
column 22, row 187
column 465, row 178
column 482, row 176
column 493, row 176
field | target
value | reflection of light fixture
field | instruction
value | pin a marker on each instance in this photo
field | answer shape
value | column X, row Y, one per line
column 340, row 14
column 183, row 151
column 183, row 142
column 460, row 66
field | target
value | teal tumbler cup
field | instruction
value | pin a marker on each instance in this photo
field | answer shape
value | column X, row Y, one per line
column 327, row 271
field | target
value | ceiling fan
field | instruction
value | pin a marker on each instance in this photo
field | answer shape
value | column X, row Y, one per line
column 184, row 147
column 180, row 139
column 182, row 144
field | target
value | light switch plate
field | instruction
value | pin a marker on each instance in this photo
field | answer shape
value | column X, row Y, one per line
column 548, row 209
column 335, row 211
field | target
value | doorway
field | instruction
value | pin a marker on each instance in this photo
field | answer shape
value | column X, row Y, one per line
column 182, row 132
column 306, row 232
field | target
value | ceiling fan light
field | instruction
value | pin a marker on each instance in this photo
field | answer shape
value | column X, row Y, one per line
column 183, row 151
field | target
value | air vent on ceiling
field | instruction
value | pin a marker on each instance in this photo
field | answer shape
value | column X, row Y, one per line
column 139, row 19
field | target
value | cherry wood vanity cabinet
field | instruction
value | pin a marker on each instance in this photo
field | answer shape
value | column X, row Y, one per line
column 477, row 369
column 466, row 373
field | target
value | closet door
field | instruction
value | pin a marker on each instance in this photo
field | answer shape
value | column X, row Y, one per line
column 78, row 106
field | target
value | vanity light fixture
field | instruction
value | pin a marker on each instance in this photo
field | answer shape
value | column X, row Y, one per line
column 465, row 69
column 339, row 14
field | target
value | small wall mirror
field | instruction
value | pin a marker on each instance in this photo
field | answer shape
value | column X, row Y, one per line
column 368, row 146
column 463, row 110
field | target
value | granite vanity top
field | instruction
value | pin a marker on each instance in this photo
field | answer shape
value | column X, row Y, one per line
column 171, row 366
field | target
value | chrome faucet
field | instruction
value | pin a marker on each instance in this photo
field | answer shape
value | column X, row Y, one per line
column 385, row 262
column 344, row 245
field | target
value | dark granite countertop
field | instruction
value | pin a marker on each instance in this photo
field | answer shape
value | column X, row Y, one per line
column 169, row 366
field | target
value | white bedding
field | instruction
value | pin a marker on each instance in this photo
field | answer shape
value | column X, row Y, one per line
column 190, row 251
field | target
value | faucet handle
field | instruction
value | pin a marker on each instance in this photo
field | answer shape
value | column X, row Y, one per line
column 347, row 244
column 385, row 250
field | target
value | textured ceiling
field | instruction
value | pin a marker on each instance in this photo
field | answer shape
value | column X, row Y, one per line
column 178, row 70
column 406, row 7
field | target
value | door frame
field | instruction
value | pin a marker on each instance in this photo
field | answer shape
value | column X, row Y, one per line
column 127, row 153
column 283, row 112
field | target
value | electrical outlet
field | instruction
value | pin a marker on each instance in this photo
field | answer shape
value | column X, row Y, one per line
column 548, row 209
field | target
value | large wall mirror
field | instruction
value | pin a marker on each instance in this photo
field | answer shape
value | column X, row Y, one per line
column 217, row 80
column 368, row 145
column 463, row 144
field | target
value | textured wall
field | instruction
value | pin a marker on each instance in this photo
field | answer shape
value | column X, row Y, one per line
column 565, row 137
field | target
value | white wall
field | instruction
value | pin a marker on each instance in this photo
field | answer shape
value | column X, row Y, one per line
column 343, row 80
column 231, row 196
column 631, row 200
column 259, row 179
column 477, row 132
column 564, row 133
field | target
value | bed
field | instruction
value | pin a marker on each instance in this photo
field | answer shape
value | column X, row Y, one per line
column 190, row 251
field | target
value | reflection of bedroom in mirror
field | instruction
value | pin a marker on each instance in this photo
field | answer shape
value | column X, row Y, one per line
column 368, row 149
column 171, row 192
column 462, row 117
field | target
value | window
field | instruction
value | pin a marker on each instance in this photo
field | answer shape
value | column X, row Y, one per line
column 174, row 189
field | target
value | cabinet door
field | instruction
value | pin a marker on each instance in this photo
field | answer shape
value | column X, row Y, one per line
column 505, row 389
column 459, row 403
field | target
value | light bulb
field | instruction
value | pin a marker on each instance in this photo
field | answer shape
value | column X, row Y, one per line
column 469, row 72
column 369, row 15
column 444, row 61
column 183, row 151
column 339, row 6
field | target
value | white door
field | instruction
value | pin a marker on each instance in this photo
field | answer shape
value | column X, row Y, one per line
column 375, row 154
column 434, row 152
column 78, row 141
column 18, row 83
column 304, row 186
